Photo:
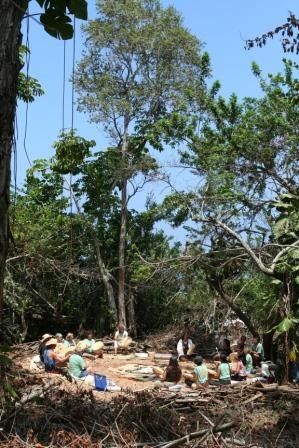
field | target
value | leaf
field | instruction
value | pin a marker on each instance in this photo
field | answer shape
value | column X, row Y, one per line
column 11, row 390
column 56, row 25
column 286, row 324
column 293, row 352
column 276, row 281
column 295, row 254
column 297, row 280
column 289, row 196
column 282, row 205
column 79, row 8
column 281, row 227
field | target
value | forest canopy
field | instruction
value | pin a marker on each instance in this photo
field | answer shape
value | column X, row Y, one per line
column 83, row 255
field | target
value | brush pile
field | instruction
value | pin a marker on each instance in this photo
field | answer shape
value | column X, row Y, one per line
column 165, row 341
column 48, row 414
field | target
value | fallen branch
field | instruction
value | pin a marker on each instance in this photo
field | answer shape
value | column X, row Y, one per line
column 195, row 435
column 255, row 397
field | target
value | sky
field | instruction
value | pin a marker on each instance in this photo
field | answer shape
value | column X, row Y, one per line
column 221, row 25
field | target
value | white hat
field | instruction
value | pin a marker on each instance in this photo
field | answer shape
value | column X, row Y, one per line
column 45, row 337
column 51, row 341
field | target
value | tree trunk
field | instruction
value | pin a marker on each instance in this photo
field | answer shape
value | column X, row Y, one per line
column 287, row 301
column 268, row 345
column 131, row 313
column 123, row 236
column 102, row 268
column 106, row 280
column 10, row 39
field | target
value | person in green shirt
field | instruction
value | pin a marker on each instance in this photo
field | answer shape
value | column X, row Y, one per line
column 257, row 351
column 89, row 341
column 77, row 367
column 200, row 373
column 223, row 370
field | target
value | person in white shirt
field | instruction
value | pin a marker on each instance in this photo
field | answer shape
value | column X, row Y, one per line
column 121, row 338
column 185, row 347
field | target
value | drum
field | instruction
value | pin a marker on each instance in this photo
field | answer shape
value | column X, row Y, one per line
column 97, row 347
column 124, row 343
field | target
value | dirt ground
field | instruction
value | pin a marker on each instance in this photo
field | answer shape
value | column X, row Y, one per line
column 108, row 366
column 262, row 418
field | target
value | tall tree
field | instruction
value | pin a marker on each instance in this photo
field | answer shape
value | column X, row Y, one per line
column 247, row 156
column 140, row 66
column 56, row 22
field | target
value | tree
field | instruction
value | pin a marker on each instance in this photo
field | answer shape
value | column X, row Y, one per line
column 52, row 270
column 247, row 155
column 140, row 67
column 57, row 22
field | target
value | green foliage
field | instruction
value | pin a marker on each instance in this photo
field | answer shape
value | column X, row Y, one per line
column 71, row 151
column 140, row 64
column 246, row 155
column 286, row 325
column 28, row 88
column 56, row 20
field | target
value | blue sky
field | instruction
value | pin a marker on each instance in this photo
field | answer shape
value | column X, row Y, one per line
column 221, row 25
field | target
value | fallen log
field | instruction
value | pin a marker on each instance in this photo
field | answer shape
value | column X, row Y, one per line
column 255, row 397
column 195, row 435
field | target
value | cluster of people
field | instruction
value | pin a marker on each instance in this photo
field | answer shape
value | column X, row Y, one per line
column 233, row 362
column 59, row 355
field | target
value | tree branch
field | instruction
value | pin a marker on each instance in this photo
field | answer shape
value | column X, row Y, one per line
column 250, row 252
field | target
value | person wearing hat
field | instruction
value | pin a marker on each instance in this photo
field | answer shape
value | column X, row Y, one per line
column 42, row 346
column 52, row 359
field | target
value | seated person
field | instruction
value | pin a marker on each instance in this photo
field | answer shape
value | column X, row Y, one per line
column 77, row 366
column 248, row 361
column 201, row 373
column 69, row 340
column 93, row 349
column 223, row 371
column 241, row 347
column 60, row 343
column 42, row 346
column 172, row 373
column 53, row 361
column 89, row 341
column 185, row 347
column 121, row 339
column 237, row 368
column 268, row 371
column 257, row 351
column 59, row 338
column 224, row 348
